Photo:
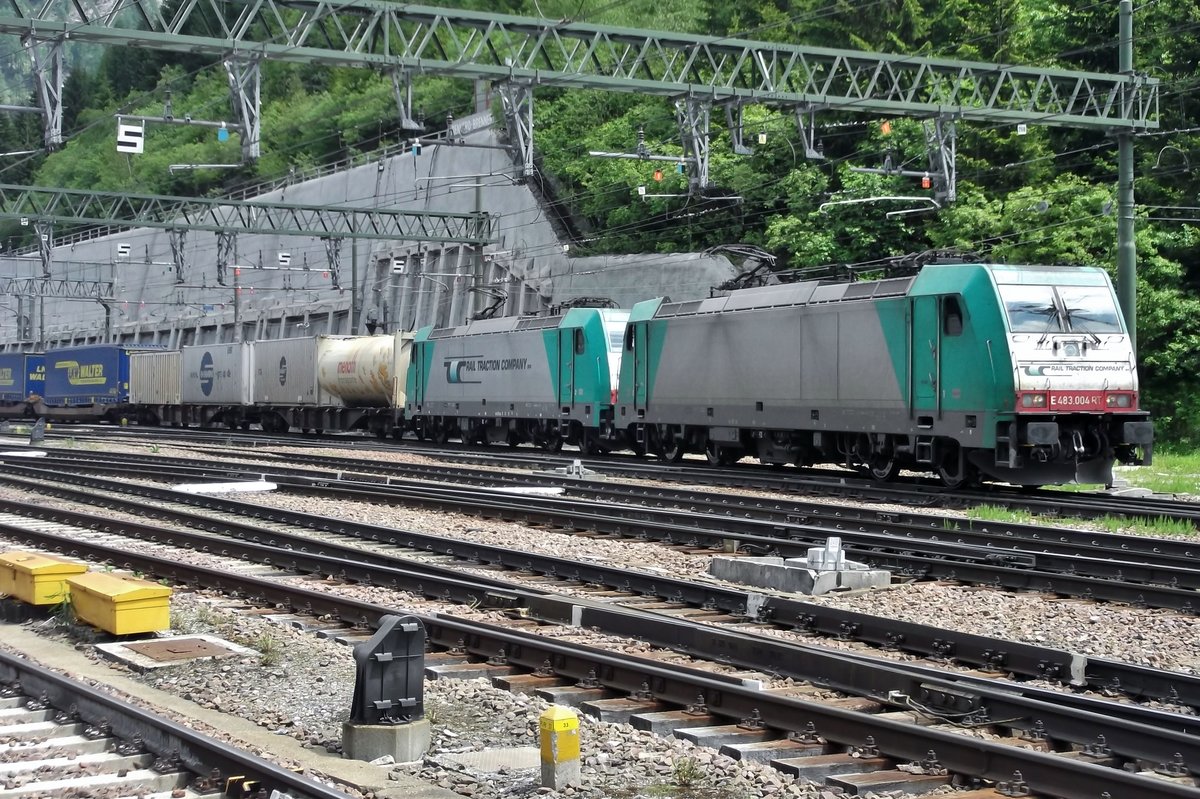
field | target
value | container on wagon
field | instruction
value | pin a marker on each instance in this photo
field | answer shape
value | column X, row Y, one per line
column 217, row 374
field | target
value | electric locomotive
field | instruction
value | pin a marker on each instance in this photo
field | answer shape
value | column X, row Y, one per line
column 1016, row 373
column 543, row 380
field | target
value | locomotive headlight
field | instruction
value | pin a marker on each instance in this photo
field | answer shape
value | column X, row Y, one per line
column 1121, row 400
column 1033, row 400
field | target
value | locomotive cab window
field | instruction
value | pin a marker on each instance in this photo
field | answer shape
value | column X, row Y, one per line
column 579, row 342
column 629, row 338
column 952, row 316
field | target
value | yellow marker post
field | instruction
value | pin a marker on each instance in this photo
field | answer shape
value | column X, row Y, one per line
column 559, row 735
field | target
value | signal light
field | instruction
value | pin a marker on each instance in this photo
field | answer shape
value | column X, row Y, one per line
column 926, row 182
column 416, row 146
column 658, row 174
column 886, row 128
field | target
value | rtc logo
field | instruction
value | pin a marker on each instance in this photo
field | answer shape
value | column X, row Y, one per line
column 456, row 366
column 282, row 371
column 206, row 374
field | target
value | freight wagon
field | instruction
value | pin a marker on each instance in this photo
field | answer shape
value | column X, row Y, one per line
column 89, row 382
column 22, row 381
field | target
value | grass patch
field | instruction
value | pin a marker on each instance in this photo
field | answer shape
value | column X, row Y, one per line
column 998, row 513
column 1158, row 526
column 1171, row 473
column 270, row 649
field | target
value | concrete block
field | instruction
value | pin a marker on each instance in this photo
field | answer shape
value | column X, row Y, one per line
column 465, row 671
column 793, row 576
column 526, row 683
column 887, row 781
column 667, row 721
column 819, row 768
column 766, row 751
column 573, row 695
column 406, row 743
column 618, row 711
column 722, row 734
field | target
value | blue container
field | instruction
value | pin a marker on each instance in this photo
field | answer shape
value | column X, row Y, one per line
column 96, row 374
column 35, row 374
column 12, row 377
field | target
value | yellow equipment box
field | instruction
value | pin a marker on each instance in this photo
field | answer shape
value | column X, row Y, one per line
column 36, row 579
column 120, row 605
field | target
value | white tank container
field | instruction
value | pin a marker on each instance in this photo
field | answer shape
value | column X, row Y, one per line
column 364, row 371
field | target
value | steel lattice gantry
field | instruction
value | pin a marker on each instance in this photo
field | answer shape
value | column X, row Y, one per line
column 230, row 217
column 499, row 47
column 697, row 71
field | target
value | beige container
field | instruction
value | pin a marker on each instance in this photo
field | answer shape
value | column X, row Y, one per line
column 364, row 371
column 154, row 378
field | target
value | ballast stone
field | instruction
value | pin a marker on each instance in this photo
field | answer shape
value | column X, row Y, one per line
column 825, row 569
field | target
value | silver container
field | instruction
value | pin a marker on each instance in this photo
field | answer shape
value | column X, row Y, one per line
column 217, row 374
column 285, row 373
column 154, row 377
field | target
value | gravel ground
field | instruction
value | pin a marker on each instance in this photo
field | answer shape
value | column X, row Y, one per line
column 300, row 686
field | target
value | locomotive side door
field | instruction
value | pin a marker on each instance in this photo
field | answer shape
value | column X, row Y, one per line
column 569, row 340
column 640, row 338
column 418, row 371
column 925, row 354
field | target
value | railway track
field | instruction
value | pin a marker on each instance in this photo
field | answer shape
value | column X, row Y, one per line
column 1139, row 740
column 914, row 492
column 60, row 737
column 1153, row 572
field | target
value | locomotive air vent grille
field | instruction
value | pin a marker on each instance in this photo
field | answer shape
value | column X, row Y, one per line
column 538, row 322
column 445, row 332
column 679, row 308
column 894, row 286
column 859, row 290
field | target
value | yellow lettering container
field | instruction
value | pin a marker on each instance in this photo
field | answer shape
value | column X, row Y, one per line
column 120, row 605
column 36, row 579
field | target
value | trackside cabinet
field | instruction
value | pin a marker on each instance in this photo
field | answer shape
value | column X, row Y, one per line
column 120, row 605
column 36, row 579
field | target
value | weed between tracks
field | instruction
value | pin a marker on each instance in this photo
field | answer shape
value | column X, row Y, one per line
column 1160, row 526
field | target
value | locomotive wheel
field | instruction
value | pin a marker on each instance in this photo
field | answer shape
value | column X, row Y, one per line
column 721, row 456
column 954, row 471
column 884, row 468
column 554, row 442
column 672, row 450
